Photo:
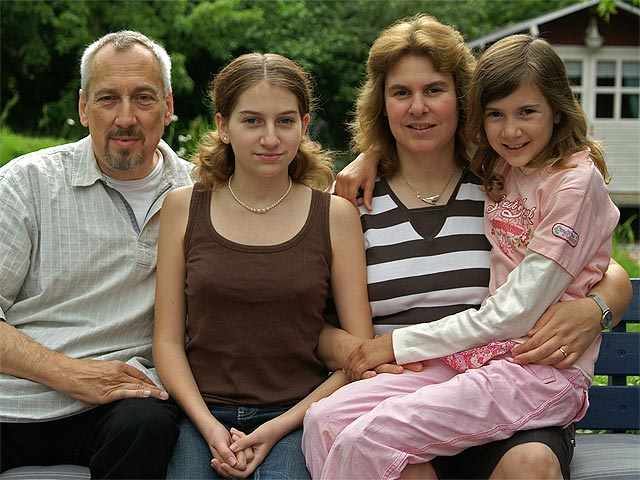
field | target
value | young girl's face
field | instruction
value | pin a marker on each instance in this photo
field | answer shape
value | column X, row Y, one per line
column 264, row 129
column 520, row 125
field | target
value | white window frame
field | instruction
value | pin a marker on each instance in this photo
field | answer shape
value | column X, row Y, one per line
column 588, row 89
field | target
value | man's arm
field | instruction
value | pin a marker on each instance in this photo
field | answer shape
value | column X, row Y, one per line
column 92, row 381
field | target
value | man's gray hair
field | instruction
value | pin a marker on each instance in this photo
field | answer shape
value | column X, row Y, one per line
column 123, row 40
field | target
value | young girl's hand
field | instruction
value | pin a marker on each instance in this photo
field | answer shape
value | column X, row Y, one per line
column 369, row 355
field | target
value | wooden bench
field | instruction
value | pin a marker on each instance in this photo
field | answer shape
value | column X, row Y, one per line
column 614, row 408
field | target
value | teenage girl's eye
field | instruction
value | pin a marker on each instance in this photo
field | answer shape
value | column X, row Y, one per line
column 287, row 121
column 250, row 120
column 433, row 90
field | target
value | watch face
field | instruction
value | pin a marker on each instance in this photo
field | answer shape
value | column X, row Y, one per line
column 607, row 319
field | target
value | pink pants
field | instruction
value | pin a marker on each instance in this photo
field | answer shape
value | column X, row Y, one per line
column 373, row 428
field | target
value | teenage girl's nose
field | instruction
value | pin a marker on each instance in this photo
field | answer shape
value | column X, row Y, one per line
column 269, row 138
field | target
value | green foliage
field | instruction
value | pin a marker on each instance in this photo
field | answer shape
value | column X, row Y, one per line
column 623, row 244
column 41, row 41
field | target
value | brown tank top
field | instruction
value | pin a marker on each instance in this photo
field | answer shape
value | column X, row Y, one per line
column 254, row 313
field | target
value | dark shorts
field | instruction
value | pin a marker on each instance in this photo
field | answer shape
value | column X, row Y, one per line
column 479, row 462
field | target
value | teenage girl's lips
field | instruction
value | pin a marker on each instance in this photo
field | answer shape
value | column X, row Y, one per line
column 270, row 156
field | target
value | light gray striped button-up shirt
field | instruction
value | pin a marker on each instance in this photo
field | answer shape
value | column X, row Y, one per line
column 75, row 274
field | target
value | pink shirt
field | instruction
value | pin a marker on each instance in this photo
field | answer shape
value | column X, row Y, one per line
column 565, row 215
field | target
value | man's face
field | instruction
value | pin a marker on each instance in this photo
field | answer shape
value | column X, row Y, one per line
column 126, row 110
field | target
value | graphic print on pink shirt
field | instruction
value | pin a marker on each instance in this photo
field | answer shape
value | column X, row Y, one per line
column 511, row 223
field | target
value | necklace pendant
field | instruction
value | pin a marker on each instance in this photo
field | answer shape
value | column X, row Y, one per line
column 432, row 200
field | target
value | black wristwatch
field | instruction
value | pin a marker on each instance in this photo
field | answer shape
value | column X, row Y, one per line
column 607, row 318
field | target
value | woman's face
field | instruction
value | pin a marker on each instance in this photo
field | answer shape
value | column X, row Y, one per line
column 421, row 106
column 264, row 129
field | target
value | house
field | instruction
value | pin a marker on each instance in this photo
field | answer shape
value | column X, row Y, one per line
column 603, row 62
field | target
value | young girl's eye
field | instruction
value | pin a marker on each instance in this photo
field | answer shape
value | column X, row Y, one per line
column 250, row 120
column 287, row 121
column 492, row 114
column 528, row 111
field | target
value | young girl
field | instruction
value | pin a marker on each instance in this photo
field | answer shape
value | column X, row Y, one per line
column 246, row 259
column 550, row 230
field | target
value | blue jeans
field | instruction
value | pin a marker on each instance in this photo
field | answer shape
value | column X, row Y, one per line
column 192, row 457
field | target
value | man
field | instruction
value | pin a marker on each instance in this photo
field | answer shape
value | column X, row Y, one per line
column 79, row 227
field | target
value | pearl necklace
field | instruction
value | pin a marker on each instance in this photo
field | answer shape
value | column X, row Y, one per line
column 259, row 210
column 433, row 199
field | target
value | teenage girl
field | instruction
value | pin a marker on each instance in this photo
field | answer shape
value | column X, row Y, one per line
column 246, row 258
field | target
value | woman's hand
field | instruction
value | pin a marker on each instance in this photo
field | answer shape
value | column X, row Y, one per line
column 571, row 326
column 359, row 175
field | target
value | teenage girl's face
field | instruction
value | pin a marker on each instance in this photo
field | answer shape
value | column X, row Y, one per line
column 421, row 106
column 520, row 125
column 264, row 129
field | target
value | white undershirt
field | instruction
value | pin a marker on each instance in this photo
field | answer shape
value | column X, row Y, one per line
column 141, row 193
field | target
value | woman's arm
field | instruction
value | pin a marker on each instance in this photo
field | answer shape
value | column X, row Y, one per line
column 170, row 325
column 359, row 174
column 575, row 324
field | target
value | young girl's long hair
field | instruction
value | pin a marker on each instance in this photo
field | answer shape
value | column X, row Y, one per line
column 422, row 36
column 215, row 161
column 518, row 60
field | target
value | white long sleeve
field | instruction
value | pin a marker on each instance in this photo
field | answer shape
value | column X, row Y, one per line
column 532, row 287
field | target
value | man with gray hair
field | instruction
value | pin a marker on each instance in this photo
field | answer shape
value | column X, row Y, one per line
column 79, row 224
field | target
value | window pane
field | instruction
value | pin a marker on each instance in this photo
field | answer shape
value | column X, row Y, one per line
column 606, row 74
column 574, row 70
column 604, row 105
column 630, row 74
column 629, row 107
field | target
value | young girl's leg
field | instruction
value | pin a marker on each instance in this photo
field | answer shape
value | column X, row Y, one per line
column 327, row 418
column 476, row 407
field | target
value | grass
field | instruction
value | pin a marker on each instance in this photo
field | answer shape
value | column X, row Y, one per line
column 13, row 145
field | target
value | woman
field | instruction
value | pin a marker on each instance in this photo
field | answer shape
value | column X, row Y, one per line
column 246, row 259
column 426, row 251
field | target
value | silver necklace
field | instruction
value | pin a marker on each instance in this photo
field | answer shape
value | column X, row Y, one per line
column 259, row 210
column 433, row 199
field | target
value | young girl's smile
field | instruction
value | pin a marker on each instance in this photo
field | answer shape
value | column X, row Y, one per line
column 519, row 126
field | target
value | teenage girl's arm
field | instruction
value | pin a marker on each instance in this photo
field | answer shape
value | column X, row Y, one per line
column 348, row 285
column 574, row 325
column 170, row 325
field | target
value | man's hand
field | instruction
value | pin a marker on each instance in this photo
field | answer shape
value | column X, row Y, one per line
column 369, row 355
column 572, row 326
column 99, row 382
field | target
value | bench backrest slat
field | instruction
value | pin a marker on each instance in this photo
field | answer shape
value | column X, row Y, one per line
column 616, row 406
